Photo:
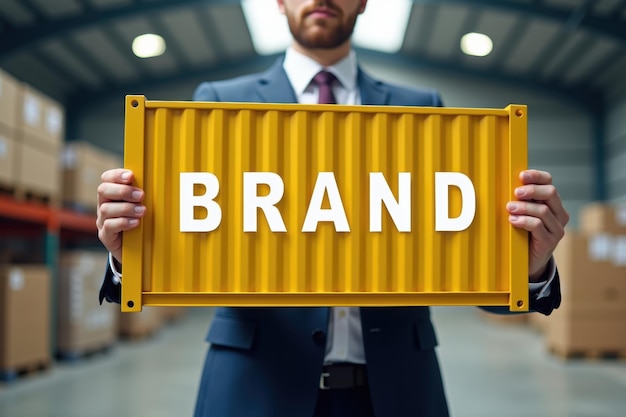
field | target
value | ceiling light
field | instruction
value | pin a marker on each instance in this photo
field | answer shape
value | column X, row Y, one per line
column 270, row 32
column 148, row 45
column 476, row 44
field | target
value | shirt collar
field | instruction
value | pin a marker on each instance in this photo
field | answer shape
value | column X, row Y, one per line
column 301, row 69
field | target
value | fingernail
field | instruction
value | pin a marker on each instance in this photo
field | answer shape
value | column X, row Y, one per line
column 136, row 195
column 513, row 218
column 133, row 222
column 520, row 192
column 139, row 209
column 511, row 206
column 125, row 175
column 526, row 176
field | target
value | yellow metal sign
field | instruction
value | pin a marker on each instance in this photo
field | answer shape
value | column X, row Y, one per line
column 324, row 205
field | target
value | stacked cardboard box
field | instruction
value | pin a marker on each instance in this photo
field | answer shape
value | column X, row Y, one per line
column 40, row 131
column 140, row 325
column 84, row 326
column 24, row 317
column 83, row 164
column 171, row 314
column 592, row 267
column 10, row 90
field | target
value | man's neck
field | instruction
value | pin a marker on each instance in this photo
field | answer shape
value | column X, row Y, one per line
column 325, row 57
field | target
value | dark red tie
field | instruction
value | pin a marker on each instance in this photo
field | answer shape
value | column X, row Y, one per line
column 324, row 81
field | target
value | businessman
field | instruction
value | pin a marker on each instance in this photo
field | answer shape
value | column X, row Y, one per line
column 340, row 362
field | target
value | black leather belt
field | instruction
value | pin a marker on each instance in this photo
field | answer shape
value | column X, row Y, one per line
column 343, row 375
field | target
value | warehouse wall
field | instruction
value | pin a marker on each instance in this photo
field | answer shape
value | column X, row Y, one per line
column 560, row 134
column 616, row 149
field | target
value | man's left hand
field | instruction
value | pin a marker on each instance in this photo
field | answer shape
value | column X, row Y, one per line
column 540, row 211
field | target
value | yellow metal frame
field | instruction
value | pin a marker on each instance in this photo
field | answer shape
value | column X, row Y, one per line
column 484, row 265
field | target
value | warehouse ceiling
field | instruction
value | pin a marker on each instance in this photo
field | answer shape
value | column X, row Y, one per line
column 80, row 50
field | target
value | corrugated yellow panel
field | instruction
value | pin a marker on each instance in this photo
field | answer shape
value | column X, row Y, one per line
column 321, row 205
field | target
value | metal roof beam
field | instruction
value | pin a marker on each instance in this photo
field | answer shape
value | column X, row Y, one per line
column 20, row 37
column 579, row 18
column 34, row 10
column 587, row 99
column 13, row 39
column 80, row 102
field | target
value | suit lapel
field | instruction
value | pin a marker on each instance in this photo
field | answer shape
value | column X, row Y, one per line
column 373, row 92
column 274, row 86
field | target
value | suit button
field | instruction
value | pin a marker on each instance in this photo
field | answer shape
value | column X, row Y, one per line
column 318, row 336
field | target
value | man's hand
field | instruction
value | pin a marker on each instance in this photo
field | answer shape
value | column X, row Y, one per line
column 119, row 208
column 539, row 211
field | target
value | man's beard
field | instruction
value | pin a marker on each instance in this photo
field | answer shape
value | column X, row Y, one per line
column 331, row 39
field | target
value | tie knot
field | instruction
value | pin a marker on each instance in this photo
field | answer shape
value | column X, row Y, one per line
column 324, row 78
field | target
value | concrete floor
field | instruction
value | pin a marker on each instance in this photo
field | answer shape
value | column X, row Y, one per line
column 489, row 370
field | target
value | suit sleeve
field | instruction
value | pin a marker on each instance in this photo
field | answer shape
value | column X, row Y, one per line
column 109, row 290
column 544, row 305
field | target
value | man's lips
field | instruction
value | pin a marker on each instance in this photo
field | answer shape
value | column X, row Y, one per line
column 322, row 13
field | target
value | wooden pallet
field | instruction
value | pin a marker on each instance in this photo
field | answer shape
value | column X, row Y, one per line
column 591, row 354
column 26, row 196
column 11, row 375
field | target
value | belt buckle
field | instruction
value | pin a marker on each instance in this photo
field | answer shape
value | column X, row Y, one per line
column 323, row 377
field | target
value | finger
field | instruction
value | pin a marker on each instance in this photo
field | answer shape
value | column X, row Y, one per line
column 118, row 175
column 112, row 210
column 119, row 224
column 530, row 224
column 535, row 176
column 108, row 191
column 546, row 194
column 538, row 210
column 110, row 231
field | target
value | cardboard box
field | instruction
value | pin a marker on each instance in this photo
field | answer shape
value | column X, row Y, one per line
column 24, row 316
column 83, row 165
column 140, row 325
column 10, row 91
column 84, row 325
column 603, row 218
column 590, row 281
column 7, row 157
column 587, row 335
column 111, row 160
column 39, row 170
column 82, row 168
column 41, row 119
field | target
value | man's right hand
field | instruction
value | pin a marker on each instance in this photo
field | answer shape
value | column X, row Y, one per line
column 119, row 208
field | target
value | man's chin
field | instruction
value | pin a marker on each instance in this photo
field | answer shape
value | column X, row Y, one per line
column 320, row 40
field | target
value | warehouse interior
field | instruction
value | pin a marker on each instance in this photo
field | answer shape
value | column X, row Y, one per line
column 65, row 69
